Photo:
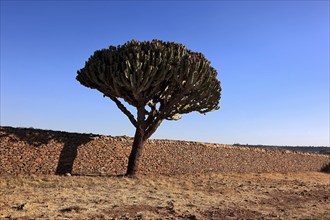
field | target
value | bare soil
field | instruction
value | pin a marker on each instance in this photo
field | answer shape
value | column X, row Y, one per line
column 207, row 196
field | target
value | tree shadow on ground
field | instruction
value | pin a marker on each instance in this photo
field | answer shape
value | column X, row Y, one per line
column 38, row 137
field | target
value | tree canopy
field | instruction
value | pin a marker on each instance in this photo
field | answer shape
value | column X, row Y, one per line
column 161, row 79
column 165, row 76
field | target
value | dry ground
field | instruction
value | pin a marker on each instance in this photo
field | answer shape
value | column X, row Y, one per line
column 207, row 196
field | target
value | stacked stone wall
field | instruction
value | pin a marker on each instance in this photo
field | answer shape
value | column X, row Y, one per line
column 25, row 151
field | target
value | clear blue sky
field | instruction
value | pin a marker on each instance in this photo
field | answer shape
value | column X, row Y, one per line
column 272, row 58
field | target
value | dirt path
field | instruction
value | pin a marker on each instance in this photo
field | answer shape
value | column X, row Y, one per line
column 208, row 196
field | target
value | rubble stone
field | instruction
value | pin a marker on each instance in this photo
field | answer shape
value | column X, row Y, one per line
column 27, row 151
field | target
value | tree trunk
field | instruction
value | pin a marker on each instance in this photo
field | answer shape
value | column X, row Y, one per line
column 134, row 157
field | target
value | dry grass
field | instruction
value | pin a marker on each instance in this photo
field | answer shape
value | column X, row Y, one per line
column 207, row 196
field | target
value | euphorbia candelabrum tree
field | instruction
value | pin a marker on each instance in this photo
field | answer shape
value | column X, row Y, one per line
column 162, row 80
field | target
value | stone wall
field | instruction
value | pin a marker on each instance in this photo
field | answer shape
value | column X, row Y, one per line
column 26, row 151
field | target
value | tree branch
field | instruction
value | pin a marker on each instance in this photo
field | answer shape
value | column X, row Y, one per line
column 152, row 127
column 125, row 111
column 151, row 114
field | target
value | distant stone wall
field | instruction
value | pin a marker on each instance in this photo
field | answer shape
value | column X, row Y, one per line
column 32, row 151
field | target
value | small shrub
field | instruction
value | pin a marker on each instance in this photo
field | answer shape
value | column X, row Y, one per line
column 72, row 208
column 326, row 168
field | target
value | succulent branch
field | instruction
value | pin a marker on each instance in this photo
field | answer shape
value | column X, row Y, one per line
column 125, row 111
